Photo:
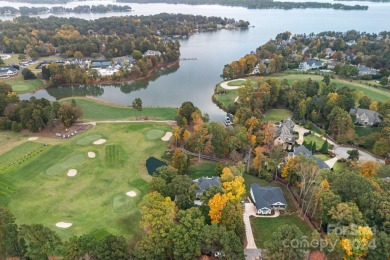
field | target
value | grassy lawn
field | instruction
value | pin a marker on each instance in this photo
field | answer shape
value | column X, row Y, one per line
column 323, row 157
column 315, row 139
column 263, row 228
column 19, row 85
column 372, row 92
column 39, row 190
column 205, row 169
column 239, row 82
column 365, row 131
column 13, row 60
column 96, row 110
column 228, row 98
column 276, row 115
column 338, row 166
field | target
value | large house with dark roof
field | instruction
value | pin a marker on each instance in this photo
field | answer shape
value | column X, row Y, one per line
column 365, row 117
column 205, row 183
column 285, row 134
column 8, row 71
column 364, row 70
column 306, row 152
column 267, row 199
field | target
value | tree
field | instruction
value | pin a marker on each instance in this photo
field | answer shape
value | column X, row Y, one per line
column 184, row 191
column 325, row 147
column 216, row 204
column 112, row 247
column 137, row 54
column 41, row 241
column 28, row 74
column 364, row 102
column 276, row 157
column 180, row 161
column 186, row 234
column 137, row 105
column 340, row 125
column 368, row 168
column 353, row 154
column 259, row 159
column 382, row 247
column 234, row 189
column 80, row 247
column 10, row 243
column 280, row 246
column 346, row 213
column 69, row 114
column 232, row 218
column 326, row 79
column 78, row 55
column 381, row 147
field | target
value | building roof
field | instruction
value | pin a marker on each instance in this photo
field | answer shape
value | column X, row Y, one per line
column 306, row 152
column 205, row 183
column 286, row 131
column 361, row 113
column 313, row 63
column 264, row 197
column 366, row 70
column 6, row 69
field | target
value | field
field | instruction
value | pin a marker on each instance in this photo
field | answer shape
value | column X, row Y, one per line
column 19, row 85
column 205, row 169
column 276, row 115
column 313, row 138
column 95, row 200
column 377, row 94
column 228, row 98
column 97, row 111
column 264, row 227
column 323, row 157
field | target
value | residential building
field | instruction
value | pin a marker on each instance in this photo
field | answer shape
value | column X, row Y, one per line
column 8, row 71
column 365, row 117
column 363, row 70
column 310, row 64
column 350, row 42
column 307, row 153
column 285, row 134
column 100, row 64
column 152, row 53
column 205, row 183
column 267, row 199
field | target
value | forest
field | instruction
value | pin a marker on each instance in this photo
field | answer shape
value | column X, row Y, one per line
column 265, row 4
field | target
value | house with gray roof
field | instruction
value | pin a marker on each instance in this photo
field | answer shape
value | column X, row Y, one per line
column 8, row 71
column 364, row 70
column 365, row 117
column 267, row 199
column 285, row 134
column 307, row 153
column 205, row 183
column 310, row 64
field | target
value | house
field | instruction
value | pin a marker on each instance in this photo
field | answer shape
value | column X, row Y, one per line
column 365, row 117
column 267, row 199
column 363, row 70
column 310, row 64
column 285, row 134
column 329, row 53
column 350, row 42
column 307, row 153
column 152, row 53
column 100, row 64
column 8, row 71
column 205, row 183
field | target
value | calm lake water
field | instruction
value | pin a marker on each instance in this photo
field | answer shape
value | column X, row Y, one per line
column 195, row 80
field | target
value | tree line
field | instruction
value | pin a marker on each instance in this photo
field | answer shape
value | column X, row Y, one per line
column 34, row 114
column 265, row 4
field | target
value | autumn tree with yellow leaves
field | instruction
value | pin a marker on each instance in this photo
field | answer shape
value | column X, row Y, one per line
column 216, row 204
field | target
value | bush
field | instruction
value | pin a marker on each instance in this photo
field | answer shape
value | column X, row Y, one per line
column 16, row 127
column 28, row 74
column 265, row 175
column 307, row 133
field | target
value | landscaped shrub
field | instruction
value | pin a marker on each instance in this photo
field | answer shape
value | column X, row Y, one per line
column 16, row 127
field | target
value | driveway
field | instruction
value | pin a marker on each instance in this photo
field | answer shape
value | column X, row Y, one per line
column 250, row 210
column 226, row 86
column 341, row 152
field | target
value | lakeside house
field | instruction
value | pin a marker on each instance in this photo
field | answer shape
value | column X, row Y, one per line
column 365, row 117
column 310, row 64
column 7, row 71
column 285, row 134
column 307, row 153
column 152, row 53
column 205, row 183
column 267, row 199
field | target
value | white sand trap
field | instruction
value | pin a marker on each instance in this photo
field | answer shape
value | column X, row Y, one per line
column 63, row 224
column 72, row 172
column 131, row 194
column 33, row 138
column 100, row 141
column 167, row 136
column 91, row 155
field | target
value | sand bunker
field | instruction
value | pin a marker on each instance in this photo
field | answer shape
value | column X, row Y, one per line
column 63, row 224
column 33, row 138
column 72, row 172
column 131, row 194
column 91, row 155
column 100, row 141
column 167, row 136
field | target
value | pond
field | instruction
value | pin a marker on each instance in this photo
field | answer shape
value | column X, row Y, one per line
column 153, row 163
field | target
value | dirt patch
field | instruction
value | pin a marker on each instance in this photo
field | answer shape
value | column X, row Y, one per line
column 63, row 224
column 100, row 141
column 33, row 138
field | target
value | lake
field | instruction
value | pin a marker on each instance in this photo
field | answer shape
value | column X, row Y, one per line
column 195, row 80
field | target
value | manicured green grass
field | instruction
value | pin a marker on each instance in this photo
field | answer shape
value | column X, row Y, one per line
column 94, row 200
column 338, row 166
column 365, row 131
column 377, row 94
column 228, row 98
column 263, row 228
column 19, row 85
column 155, row 134
column 276, row 115
column 13, row 60
column 89, row 139
column 323, row 157
column 315, row 139
column 114, row 155
column 205, row 169
column 96, row 111
column 236, row 83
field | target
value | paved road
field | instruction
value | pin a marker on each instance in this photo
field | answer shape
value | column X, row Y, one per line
column 341, row 152
column 226, row 86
